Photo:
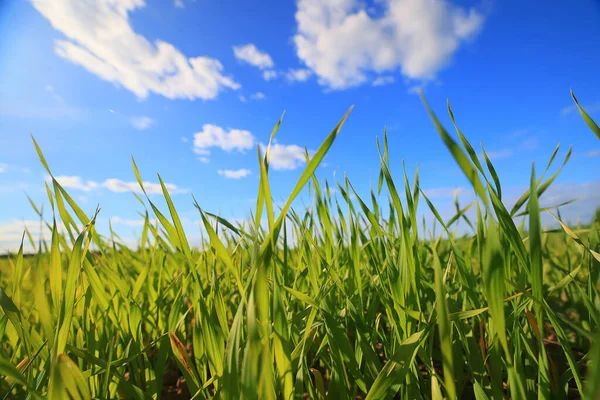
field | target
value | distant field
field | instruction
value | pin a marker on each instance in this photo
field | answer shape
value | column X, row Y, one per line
column 334, row 301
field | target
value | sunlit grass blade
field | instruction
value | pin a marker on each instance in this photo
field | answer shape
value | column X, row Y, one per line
column 588, row 120
column 461, row 159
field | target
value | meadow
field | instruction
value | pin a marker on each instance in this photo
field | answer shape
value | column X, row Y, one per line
column 333, row 301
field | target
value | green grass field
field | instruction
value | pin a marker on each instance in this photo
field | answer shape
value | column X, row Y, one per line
column 334, row 301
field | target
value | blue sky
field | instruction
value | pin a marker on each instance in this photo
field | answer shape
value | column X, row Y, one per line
column 189, row 88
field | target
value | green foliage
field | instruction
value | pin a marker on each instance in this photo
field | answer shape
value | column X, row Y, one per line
column 348, row 298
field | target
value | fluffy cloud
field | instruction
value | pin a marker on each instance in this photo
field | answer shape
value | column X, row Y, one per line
column 101, row 39
column 298, row 74
column 75, row 182
column 253, row 56
column 179, row 3
column 342, row 41
column 141, row 123
column 215, row 136
column 234, row 174
column 285, row 157
column 281, row 157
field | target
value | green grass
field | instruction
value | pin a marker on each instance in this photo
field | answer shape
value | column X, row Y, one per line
column 334, row 301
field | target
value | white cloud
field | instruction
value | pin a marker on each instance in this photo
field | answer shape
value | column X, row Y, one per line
column 184, row 139
column 253, row 56
column 204, row 160
column 12, row 231
column 269, row 74
column 3, row 168
column 179, row 3
column 342, row 43
column 234, row 174
column 119, row 186
column 243, row 99
column 281, row 157
column 75, row 182
column 383, row 80
column 587, row 195
column 141, row 123
column 101, row 39
column 298, row 74
column 258, row 96
column 285, row 157
column 215, row 136
column 114, row 185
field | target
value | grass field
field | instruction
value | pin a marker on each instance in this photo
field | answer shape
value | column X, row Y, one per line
column 334, row 301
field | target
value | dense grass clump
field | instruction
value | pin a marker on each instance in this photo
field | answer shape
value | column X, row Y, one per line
column 335, row 301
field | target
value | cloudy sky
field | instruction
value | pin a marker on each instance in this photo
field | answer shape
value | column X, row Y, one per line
column 191, row 88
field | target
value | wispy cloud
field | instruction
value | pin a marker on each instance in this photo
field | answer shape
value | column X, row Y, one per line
column 179, row 3
column 234, row 174
column 13, row 187
column 56, row 96
column 12, row 231
column 131, row 222
column 593, row 153
column 445, row 192
column 119, row 186
column 243, row 99
column 499, row 154
column 6, row 168
column 114, row 185
column 589, row 108
column 258, row 96
column 298, row 74
column 527, row 144
column 531, row 143
column 342, row 42
column 250, row 54
column 270, row 74
column 101, row 39
column 141, row 123
column 383, row 80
